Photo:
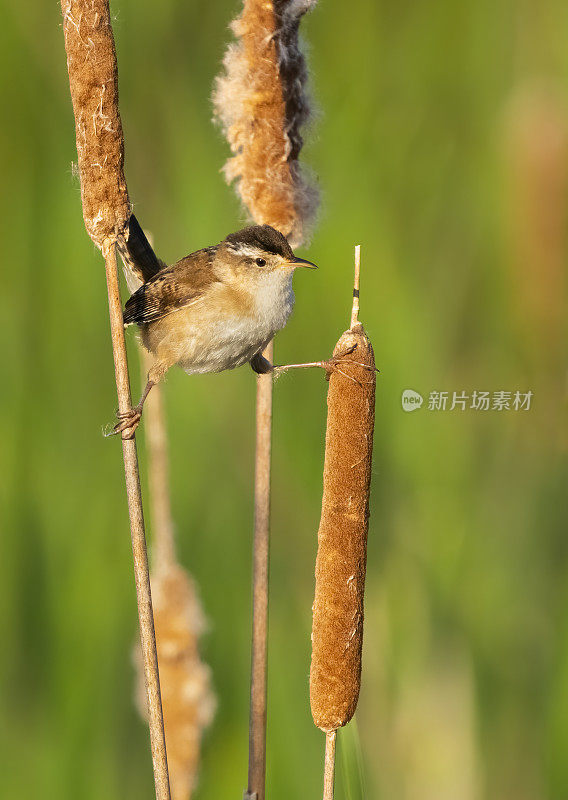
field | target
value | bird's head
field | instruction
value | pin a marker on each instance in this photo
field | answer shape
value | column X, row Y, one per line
column 262, row 249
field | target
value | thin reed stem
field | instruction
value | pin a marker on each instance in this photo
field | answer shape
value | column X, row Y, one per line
column 355, row 307
column 188, row 702
column 259, row 654
column 261, row 103
column 329, row 765
column 139, row 552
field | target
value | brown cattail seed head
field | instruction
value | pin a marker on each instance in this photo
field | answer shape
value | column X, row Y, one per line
column 261, row 104
column 337, row 632
column 93, row 78
column 187, row 698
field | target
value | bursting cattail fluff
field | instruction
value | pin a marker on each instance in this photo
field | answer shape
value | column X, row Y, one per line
column 261, row 104
column 337, row 632
column 187, row 698
column 93, row 79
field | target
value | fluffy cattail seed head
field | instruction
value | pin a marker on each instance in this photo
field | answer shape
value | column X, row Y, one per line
column 93, row 79
column 261, row 104
column 187, row 697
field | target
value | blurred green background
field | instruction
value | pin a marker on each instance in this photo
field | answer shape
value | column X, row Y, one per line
column 441, row 147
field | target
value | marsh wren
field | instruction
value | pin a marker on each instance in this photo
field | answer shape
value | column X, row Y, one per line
column 215, row 309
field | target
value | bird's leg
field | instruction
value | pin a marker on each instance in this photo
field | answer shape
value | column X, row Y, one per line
column 129, row 420
column 262, row 365
column 330, row 365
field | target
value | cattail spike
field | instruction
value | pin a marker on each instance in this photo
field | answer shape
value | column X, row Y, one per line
column 261, row 104
column 188, row 699
column 337, row 629
column 93, row 80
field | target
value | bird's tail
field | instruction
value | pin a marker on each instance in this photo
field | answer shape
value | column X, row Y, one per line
column 140, row 261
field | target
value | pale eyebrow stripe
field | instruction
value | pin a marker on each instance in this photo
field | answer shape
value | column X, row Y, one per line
column 247, row 250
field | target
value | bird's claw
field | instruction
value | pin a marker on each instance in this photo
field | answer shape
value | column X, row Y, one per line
column 333, row 365
column 127, row 414
column 335, row 360
column 127, row 423
column 332, row 362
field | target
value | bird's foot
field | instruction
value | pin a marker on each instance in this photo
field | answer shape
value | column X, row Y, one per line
column 329, row 365
column 333, row 365
column 127, row 423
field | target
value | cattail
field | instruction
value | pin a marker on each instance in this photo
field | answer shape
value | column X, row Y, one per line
column 337, row 632
column 261, row 104
column 93, row 79
column 187, row 697
column 537, row 154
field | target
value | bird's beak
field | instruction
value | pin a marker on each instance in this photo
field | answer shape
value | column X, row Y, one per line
column 301, row 262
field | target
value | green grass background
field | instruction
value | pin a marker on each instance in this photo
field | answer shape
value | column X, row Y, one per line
column 422, row 156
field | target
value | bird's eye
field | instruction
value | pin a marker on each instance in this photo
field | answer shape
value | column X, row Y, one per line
column 260, row 261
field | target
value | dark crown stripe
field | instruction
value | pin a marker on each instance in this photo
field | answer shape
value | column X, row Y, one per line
column 263, row 236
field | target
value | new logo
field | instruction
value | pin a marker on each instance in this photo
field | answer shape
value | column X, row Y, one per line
column 411, row 400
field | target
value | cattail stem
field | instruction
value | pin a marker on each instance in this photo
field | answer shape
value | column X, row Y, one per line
column 188, row 701
column 139, row 552
column 93, row 82
column 261, row 103
column 355, row 307
column 259, row 649
column 329, row 765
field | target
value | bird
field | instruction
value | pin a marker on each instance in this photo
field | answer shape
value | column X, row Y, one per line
column 214, row 310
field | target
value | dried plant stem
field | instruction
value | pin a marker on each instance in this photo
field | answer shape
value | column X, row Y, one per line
column 329, row 765
column 141, row 572
column 355, row 307
column 188, row 702
column 261, row 103
column 259, row 655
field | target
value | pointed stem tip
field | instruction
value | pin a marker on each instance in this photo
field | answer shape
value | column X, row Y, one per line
column 355, row 307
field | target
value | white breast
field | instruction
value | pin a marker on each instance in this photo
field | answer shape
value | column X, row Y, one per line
column 274, row 300
column 224, row 342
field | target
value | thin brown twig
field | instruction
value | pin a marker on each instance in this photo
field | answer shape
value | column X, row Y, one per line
column 139, row 552
column 259, row 654
column 329, row 765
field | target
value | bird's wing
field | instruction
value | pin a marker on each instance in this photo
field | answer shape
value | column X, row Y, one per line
column 171, row 289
